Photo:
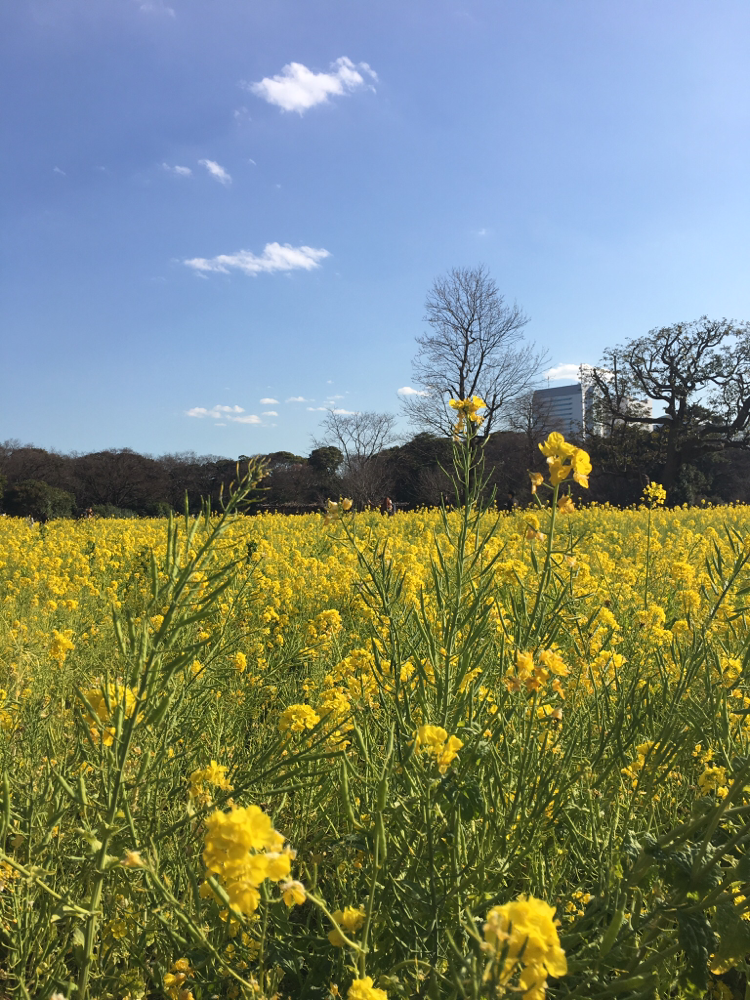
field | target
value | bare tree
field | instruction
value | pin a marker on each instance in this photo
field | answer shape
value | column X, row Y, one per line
column 699, row 372
column 475, row 348
column 361, row 438
column 532, row 416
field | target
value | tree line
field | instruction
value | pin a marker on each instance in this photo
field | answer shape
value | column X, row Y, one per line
column 672, row 407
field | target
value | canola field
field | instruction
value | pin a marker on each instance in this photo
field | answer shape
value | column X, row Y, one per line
column 444, row 754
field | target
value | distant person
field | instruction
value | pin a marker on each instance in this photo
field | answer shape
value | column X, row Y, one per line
column 387, row 507
column 511, row 503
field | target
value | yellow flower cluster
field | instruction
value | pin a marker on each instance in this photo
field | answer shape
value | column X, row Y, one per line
column 364, row 989
column 434, row 741
column 714, row 779
column 105, row 703
column 174, row 981
column 242, row 850
column 62, row 643
column 562, row 459
column 654, row 494
column 467, row 411
column 522, row 940
column 532, row 677
column 298, row 718
column 350, row 919
column 214, row 775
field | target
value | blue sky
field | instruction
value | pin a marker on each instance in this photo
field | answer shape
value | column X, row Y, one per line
column 336, row 156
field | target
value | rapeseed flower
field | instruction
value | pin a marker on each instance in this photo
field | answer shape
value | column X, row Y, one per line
column 363, row 989
column 434, row 740
column 350, row 919
column 297, row 718
column 522, row 939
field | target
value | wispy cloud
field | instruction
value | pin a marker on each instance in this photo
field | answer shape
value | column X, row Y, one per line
column 345, row 413
column 298, row 88
column 156, row 7
column 217, row 171
column 57, row 170
column 275, row 257
column 268, row 401
column 314, row 409
column 269, row 413
column 298, row 399
column 219, row 412
column 215, row 411
column 560, row 372
column 406, row 390
column 177, row 171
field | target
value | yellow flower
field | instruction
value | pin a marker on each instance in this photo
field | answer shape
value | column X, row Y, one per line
column 363, row 989
column 556, row 447
column 467, row 409
column 565, row 505
column 61, row 645
column 536, row 480
column 133, row 859
column 564, row 458
column 293, row 893
column 431, row 737
column 434, row 740
column 524, row 663
column 239, row 661
column 350, row 919
column 558, row 471
column 714, row 779
column 242, row 850
column 346, row 504
column 449, row 753
column 522, row 937
column 655, row 494
column 297, row 718
column 215, row 774
column 581, row 467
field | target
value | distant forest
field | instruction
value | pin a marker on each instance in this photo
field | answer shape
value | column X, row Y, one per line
column 122, row 483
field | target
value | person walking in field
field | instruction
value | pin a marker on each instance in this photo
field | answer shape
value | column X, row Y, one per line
column 387, row 507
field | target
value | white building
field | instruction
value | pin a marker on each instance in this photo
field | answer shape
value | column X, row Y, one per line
column 569, row 409
column 563, row 408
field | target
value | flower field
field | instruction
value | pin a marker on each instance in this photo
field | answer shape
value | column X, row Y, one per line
column 446, row 754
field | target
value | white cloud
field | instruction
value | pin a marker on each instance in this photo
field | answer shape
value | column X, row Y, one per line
column 334, row 398
column 298, row 399
column 406, row 390
column 298, row 88
column 57, row 170
column 215, row 411
column 314, row 409
column 345, row 413
column 275, row 257
column 269, row 413
column 563, row 372
column 268, row 401
column 221, row 412
column 177, row 171
column 156, row 7
column 218, row 172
